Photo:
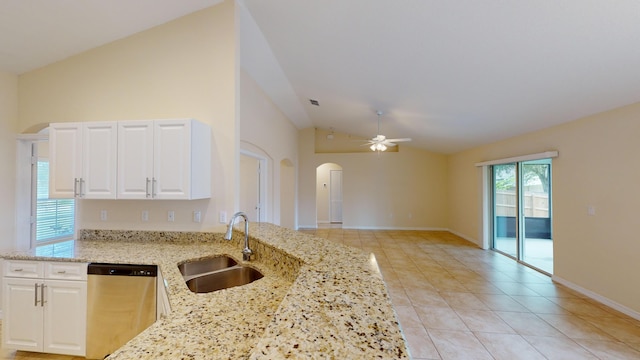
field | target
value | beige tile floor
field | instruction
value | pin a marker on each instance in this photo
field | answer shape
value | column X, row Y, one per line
column 456, row 301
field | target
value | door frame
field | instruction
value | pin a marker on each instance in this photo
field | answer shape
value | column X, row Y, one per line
column 486, row 210
column 25, row 237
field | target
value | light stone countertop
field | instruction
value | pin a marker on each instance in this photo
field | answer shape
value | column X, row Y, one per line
column 317, row 299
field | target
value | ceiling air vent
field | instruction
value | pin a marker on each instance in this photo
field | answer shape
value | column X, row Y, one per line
column 314, row 102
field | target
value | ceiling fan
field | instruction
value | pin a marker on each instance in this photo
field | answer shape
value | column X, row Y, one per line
column 380, row 142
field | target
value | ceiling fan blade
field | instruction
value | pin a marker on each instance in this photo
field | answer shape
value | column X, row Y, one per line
column 399, row 140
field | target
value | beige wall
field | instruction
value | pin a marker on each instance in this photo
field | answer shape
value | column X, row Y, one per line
column 8, row 131
column 597, row 166
column 265, row 131
column 186, row 68
column 403, row 190
column 288, row 194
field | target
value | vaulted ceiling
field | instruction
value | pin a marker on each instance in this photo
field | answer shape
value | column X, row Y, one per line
column 451, row 74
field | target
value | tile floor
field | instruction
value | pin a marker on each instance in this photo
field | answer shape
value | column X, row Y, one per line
column 456, row 301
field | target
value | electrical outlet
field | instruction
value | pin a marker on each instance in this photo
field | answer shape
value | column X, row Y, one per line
column 145, row 215
column 103, row 215
column 223, row 217
column 171, row 215
column 197, row 216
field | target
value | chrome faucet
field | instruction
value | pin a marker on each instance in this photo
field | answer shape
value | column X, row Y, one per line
column 246, row 252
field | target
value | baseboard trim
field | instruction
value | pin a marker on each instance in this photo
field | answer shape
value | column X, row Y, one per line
column 469, row 239
column 597, row 297
column 393, row 228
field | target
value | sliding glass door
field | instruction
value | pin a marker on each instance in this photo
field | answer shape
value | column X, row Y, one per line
column 522, row 212
column 537, row 244
column 505, row 209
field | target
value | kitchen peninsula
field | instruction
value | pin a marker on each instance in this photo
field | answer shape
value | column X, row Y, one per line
column 317, row 299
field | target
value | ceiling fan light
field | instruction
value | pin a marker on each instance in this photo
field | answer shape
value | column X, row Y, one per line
column 378, row 147
column 373, row 147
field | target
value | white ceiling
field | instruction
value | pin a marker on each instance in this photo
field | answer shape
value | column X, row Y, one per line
column 451, row 74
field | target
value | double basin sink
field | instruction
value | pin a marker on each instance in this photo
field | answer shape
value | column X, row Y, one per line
column 216, row 273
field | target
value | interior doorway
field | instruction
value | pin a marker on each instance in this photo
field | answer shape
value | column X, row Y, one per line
column 329, row 194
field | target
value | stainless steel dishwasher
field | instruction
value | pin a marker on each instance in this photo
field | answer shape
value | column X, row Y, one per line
column 121, row 304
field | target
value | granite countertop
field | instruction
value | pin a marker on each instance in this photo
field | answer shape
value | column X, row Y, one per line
column 317, row 299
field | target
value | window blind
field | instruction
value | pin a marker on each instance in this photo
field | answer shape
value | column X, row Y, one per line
column 55, row 218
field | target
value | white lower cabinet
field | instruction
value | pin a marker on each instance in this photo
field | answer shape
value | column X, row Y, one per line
column 45, row 307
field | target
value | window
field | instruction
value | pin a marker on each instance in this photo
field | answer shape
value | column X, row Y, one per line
column 55, row 218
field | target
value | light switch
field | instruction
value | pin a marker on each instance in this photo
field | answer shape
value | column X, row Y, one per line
column 145, row 215
column 197, row 216
column 103, row 215
column 591, row 210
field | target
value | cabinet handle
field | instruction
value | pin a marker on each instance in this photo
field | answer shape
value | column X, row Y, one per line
column 62, row 272
column 154, row 182
column 81, row 194
column 148, row 194
column 17, row 270
column 35, row 295
column 42, row 294
column 75, row 187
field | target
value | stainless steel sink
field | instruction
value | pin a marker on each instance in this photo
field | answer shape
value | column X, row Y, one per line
column 204, row 266
column 223, row 279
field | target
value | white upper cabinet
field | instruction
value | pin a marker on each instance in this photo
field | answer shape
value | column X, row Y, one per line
column 82, row 160
column 135, row 159
column 164, row 159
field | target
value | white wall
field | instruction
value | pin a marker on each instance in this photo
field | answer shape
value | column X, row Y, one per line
column 8, row 131
column 186, row 68
column 265, row 130
column 401, row 190
column 597, row 166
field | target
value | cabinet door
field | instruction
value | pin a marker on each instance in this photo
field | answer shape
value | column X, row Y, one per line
column 65, row 162
column 99, row 153
column 22, row 318
column 65, row 317
column 172, row 159
column 135, row 159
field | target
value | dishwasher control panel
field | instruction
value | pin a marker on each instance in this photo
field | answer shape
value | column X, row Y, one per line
column 122, row 269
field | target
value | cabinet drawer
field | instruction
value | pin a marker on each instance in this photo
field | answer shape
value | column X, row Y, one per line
column 23, row 269
column 65, row 270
